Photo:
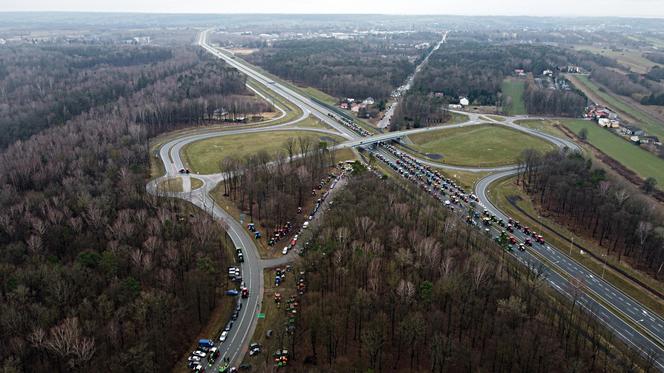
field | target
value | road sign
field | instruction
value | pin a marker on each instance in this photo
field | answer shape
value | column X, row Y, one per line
column 261, row 315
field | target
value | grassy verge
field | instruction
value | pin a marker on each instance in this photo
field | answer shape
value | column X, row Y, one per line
column 479, row 146
column 218, row 318
column 311, row 122
column 514, row 89
column 457, row 118
column 546, row 126
column 275, row 319
column 320, row 95
column 464, row 178
column 496, row 117
column 205, row 156
column 644, row 163
column 196, row 183
column 172, row 185
column 292, row 111
column 627, row 110
column 504, row 190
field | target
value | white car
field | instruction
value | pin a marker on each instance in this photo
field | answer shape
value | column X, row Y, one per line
column 194, row 358
column 223, row 336
column 200, row 354
column 285, row 250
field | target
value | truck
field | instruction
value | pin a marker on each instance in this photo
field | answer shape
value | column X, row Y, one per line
column 205, row 343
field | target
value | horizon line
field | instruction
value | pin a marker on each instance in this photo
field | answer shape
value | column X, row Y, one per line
column 330, row 14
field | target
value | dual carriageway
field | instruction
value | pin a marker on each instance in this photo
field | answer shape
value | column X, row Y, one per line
column 635, row 324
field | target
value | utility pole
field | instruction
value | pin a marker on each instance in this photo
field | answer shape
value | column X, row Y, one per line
column 603, row 265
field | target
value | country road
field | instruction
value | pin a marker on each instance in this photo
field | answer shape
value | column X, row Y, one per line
column 631, row 321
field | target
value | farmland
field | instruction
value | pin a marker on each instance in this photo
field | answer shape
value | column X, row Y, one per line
column 596, row 93
column 514, row 89
column 631, row 156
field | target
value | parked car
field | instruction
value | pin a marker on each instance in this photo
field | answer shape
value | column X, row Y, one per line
column 232, row 292
column 223, row 336
column 198, row 353
column 254, row 349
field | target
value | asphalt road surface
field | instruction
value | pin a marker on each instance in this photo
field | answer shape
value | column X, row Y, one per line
column 631, row 321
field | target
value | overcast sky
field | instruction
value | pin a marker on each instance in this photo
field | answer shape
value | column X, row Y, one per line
column 647, row 8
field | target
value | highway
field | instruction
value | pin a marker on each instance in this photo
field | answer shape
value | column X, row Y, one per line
column 631, row 321
column 560, row 268
column 387, row 118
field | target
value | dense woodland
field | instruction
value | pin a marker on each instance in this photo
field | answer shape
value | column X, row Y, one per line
column 553, row 102
column 33, row 80
column 271, row 190
column 477, row 70
column 93, row 271
column 367, row 67
column 625, row 85
column 586, row 199
column 395, row 283
column 416, row 110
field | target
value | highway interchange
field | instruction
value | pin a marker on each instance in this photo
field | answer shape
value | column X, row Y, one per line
column 631, row 321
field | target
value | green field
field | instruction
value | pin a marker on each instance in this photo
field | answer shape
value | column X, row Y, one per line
column 630, row 58
column 204, row 156
column 482, row 146
column 514, row 89
column 651, row 125
column 546, row 126
column 631, row 156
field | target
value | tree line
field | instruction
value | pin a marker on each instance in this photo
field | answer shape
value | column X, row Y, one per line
column 416, row 110
column 367, row 67
column 271, row 189
column 476, row 71
column 552, row 102
column 33, row 80
column 94, row 272
column 585, row 198
column 396, row 283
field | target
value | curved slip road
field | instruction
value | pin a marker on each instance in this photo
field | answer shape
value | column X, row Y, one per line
column 238, row 338
column 646, row 337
